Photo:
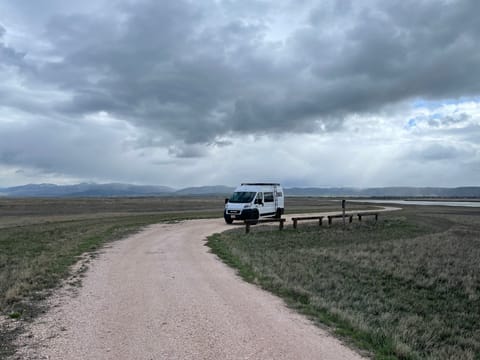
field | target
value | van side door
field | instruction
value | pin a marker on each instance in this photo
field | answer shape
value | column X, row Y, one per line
column 268, row 203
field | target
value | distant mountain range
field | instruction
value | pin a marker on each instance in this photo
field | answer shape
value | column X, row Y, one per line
column 117, row 190
column 384, row 192
column 84, row 190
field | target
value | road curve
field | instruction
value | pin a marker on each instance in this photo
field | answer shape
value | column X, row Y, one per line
column 160, row 294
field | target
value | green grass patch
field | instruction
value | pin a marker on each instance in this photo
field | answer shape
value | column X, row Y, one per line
column 407, row 287
column 14, row 315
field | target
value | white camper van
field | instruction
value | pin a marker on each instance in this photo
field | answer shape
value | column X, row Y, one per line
column 254, row 200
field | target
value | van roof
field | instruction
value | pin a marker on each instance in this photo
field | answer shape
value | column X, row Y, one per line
column 258, row 187
column 261, row 184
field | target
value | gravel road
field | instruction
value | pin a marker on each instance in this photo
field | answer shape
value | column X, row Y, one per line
column 160, row 294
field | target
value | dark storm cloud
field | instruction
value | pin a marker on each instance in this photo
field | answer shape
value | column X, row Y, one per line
column 396, row 51
column 194, row 71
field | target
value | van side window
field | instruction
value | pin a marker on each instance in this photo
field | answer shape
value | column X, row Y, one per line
column 268, row 197
column 260, row 196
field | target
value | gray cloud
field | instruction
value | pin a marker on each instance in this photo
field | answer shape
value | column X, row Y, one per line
column 8, row 55
column 440, row 152
column 195, row 72
column 190, row 78
column 187, row 151
column 392, row 54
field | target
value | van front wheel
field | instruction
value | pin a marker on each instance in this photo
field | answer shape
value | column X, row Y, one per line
column 255, row 216
column 228, row 219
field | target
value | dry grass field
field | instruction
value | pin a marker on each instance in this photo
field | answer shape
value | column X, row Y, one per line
column 38, row 232
column 40, row 239
column 25, row 211
column 407, row 287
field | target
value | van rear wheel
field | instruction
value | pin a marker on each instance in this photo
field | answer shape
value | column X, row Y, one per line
column 278, row 214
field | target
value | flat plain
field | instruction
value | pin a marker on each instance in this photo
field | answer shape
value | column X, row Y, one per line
column 406, row 287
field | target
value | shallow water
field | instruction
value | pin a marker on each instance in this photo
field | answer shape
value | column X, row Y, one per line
column 423, row 202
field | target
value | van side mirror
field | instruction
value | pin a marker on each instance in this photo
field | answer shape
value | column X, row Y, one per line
column 226, row 200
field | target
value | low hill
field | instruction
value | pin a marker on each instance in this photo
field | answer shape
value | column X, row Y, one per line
column 117, row 190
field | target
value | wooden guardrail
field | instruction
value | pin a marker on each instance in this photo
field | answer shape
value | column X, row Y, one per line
column 281, row 221
column 297, row 219
column 333, row 216
column 330, row 217
column 360, row 215
column 250, row 222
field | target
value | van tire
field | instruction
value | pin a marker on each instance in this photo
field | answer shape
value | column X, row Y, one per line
column 255, row 216
column 228, row 219
column 278, row 214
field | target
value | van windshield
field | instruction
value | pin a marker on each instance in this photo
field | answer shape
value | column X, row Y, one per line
column 242, row 197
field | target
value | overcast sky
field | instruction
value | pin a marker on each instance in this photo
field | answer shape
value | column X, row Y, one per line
column 180, row 93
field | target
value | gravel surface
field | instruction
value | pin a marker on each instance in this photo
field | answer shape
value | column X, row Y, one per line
column 160, row 294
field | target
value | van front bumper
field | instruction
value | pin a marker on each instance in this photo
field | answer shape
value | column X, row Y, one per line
column 242, row 214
